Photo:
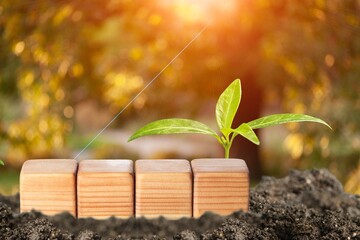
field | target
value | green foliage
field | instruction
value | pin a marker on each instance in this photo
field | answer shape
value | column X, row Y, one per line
column 2, row 163
column 57, row 55
column 45, row 74
column 227, row 105
column 247, row 132
column 173, row 126
column 277, row 119
column 226, row 108
column 313, row 50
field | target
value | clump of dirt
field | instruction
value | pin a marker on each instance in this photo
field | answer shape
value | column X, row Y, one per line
column 303, row 205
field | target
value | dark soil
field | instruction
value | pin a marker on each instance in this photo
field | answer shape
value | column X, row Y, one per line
column 303, row 205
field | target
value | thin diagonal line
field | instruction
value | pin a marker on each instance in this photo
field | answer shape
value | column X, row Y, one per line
column 137, row 95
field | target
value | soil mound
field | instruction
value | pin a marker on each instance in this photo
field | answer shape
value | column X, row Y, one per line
column 304, row 205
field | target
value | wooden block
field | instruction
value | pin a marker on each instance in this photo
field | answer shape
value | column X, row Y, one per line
column 163, row 188
column 220, row 186
column 49, row 186
column 105, row 188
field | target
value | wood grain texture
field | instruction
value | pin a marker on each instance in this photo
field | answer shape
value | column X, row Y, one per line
column 220, row 186
column 105, row 188
column 49, row 186
column 163, row 188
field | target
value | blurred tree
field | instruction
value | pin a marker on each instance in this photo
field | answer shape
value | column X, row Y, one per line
column 61, row 54
column 228, row 49
column 315, row 49
column 352, row 182
column 56, row 55
column 49, row 59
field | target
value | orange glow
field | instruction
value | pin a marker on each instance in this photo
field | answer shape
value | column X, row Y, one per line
column 202, row 10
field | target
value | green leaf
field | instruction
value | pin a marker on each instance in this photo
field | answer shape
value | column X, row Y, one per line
column 2, row 163
column 173, row 126
column 246, row 131
column 228, row 105
column 277, row 119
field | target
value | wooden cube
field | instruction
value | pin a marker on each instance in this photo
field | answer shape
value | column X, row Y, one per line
column 49, row 186
column 163, row 188
column 220, row 186
column 105, row 188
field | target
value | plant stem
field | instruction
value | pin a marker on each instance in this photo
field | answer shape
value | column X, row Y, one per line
column 227, row 145
column 227, row 150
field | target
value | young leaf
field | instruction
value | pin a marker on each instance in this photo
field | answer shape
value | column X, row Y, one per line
column 173, row 126
column 277, row 119
column 246, row 131
column 2, row 163
column 228, row 105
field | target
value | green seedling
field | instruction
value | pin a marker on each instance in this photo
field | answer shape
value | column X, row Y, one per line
column 2, row 163
column 226, row 108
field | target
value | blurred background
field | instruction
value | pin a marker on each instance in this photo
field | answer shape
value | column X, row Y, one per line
column 68, row 67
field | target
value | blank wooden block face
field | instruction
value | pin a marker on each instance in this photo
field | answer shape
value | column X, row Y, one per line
column 48, row 185
column 163, row 188
column 105, row 188
column 220, row 186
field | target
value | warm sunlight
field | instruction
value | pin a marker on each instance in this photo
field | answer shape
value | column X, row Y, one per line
column 202, row 10
column 197, row 84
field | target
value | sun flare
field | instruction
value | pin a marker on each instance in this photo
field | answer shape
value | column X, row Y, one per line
column 202, row 10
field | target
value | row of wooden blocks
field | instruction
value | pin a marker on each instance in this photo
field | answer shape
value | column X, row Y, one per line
column 172, row 188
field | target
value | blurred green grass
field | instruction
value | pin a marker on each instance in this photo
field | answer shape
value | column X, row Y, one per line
column 77, row 141
column 9, row 181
